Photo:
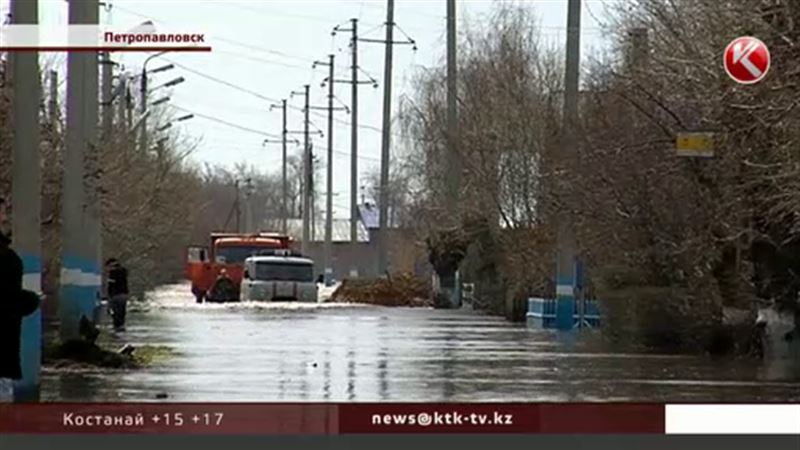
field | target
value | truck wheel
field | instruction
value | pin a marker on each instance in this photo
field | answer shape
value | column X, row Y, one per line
column 224, row 290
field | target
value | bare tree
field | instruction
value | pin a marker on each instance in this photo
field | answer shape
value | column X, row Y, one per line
column 508, row 96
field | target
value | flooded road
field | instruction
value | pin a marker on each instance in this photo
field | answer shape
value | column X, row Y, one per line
column 329, row 352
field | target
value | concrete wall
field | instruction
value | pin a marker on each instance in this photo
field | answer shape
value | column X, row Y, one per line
column 346, row 256
column 405, row 255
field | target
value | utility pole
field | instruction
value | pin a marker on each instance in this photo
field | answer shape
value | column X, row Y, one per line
column 450, row 284
column 454, row 161
column 26, row 197
column 312, row 192
column 389, row 42
column 284, row 186
column 383, row 259
column 108, row 108
column 52, row 101
column 106, row 123
column 128, row 106
column 143, row 109
column 306, row 169
column 566, row 276
column 329, row 181
column 327, row 249
column 122, row 106
column 283, row 141
column 247, row 219
column 80, row 273
column 237, row 208
column 249, row 226
column 354, row 136
column 354, row 82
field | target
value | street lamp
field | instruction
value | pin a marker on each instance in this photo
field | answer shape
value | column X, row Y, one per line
column 170, row 83
column 160, row 101
column 249, row 191
column 163, row 68
column 174, row 121
column 143, row 94
column 149, row 58
column 143, row 80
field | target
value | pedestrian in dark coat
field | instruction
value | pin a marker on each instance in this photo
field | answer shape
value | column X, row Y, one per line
column 117, row 292
column 15, row 303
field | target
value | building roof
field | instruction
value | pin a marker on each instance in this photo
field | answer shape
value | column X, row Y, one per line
column 370, row 215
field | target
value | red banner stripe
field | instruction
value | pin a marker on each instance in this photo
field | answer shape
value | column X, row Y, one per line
column 349, row 418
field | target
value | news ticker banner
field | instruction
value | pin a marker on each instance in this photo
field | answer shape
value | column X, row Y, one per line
column 144, row 37
column 398, row 418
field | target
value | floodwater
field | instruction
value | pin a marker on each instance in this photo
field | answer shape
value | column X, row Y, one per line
column 334, row 352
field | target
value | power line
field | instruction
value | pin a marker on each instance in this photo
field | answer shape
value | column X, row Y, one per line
column 259, row 60
column 371, row 30
column 359, row 156
column 254, row 146
column 243, row 89
column 342, row 103
column 313, row 18
column 221, row 38
column 269, row 99
column 404, row 33
column 347, row 122
column 368, row 75
column 411, row 9
column 313, row 125
column 224, row 122
column 221, row 81
column 242, row 108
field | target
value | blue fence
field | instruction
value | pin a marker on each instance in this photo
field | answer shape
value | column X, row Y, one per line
column 543, row 313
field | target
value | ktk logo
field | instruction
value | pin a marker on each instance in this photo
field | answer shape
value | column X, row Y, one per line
column 746, row 60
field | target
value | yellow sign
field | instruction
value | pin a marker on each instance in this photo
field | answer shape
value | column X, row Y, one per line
column 697, row 144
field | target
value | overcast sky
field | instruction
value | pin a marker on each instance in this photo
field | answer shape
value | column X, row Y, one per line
column 268, row 47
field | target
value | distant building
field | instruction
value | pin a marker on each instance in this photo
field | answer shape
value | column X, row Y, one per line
column 360, row 258
column 370, row 215
column 340, row 230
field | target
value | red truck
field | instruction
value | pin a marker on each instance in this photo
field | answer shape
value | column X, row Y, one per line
column 216, row 271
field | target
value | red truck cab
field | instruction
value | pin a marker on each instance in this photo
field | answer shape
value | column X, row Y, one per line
column 216, row 271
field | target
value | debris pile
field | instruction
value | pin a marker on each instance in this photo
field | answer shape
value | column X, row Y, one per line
column 402, row 289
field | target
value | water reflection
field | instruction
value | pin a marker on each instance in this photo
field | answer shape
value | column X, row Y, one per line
column 351, row 375
column 77, row 385
column 281, row 376
column 449, row 341
column 373, row 354
column 326, row 388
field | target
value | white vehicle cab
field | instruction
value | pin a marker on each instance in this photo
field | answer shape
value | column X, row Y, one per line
column 278, row 278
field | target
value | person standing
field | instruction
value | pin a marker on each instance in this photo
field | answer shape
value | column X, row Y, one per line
column 15, row 303
column 117, row 291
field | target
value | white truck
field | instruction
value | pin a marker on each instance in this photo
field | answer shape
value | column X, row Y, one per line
column 278, row 278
